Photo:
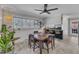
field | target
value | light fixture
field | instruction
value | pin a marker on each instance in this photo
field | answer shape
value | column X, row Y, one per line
column 8, row 18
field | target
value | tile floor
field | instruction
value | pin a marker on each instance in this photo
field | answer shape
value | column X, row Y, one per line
column 69, row 45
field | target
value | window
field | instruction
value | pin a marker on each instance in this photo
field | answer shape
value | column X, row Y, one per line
column 17, row 23
column 22, row 23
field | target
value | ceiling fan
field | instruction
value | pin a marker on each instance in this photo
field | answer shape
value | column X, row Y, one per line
column 46, row 10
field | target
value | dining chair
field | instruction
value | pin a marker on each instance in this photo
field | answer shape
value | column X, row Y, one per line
column 32, row 40
column 49, row 40
column 40, row 43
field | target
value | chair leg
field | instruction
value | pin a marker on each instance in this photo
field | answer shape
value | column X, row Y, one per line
column 53, row 42
column 34, row 45
column 13, row 47
column 40, row 46
column 47, row 47
column 29, row 43
column 52, row 45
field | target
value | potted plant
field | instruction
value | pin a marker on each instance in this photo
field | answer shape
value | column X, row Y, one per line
column 6, row 40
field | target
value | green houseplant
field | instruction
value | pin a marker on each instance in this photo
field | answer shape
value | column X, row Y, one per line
column 6, row 40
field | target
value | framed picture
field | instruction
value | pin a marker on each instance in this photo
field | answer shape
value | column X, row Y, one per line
column 73, row 26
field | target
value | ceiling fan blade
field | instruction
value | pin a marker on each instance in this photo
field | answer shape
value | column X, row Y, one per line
column 38, row 10
column 48, row 12
column 45, row 12
column 52, row 9
column 41, row 12
column 45, row 6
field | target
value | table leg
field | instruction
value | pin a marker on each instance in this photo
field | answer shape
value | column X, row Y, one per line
column 53, row 42
column 40, row 46
column 52, row 45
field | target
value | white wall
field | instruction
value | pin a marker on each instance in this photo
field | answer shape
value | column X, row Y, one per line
column 53, row 20
column 0, row 18
column 65, row 25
